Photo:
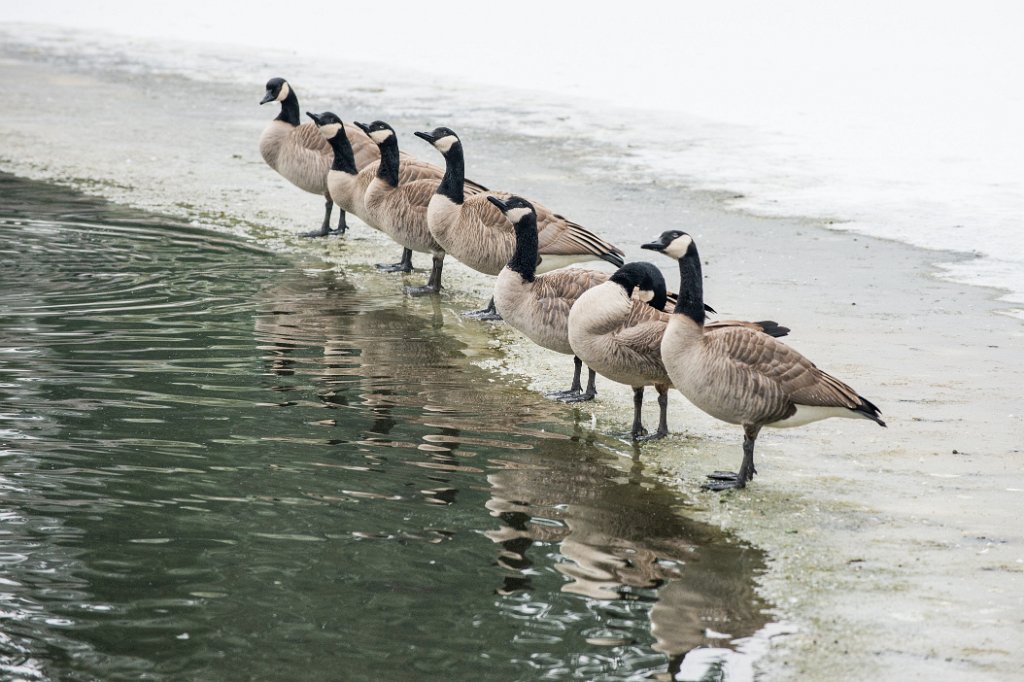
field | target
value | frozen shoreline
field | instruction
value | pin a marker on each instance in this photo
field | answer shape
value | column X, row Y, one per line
column 890, row 551
column 914, row 145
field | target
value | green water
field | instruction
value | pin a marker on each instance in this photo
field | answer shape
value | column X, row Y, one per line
column 217, row 464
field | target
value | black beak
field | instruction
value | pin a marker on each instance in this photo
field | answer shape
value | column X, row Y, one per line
column 654, row 246
column 316, row 117
column 426, row 136
column 362, row 126
column 502, row 206
column 269, row 97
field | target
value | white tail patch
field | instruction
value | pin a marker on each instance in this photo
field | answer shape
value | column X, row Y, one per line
column 283, row 94
column 445, row 143
column 805, row 414
column 380, row 136
column 677, row 248
column 516, row 214
column 329, row 130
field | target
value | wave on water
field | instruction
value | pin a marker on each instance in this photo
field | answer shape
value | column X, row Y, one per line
column 913, row 172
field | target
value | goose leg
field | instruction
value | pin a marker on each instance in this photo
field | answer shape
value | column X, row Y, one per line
column 575, row 387
column 433, row 284
column 638, row 432
column 488, row 313
column 726, row 480
column 325, row 228
column 404, row 265
column 662, row 414
column 587, row 394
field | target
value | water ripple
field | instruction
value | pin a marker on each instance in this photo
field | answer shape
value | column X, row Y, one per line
column 204, row 449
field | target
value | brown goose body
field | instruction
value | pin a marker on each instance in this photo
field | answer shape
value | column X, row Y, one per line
column 476, row 233
column 740, row 376
column 540, row 308
column 743, row 377
column 300, row 154
column 619, row 336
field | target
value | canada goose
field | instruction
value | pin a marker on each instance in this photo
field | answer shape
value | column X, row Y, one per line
column 476, row 233
column 399, row 208
column 300, row 154
column 740, row 376
column 538, row 305
column 619, row 336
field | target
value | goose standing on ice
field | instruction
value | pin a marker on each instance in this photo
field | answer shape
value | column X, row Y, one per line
column 619, row 335
column 399, row 208
column 476, row 233
column 740, row 376
column 538, row 305
column 299, row 153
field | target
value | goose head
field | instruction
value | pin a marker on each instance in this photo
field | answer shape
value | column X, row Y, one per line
column 646, row 279
column 672, row 243
column 442, row 138
column 516, row 210
column 378, row 131
column 327, row 123
column 277, row 91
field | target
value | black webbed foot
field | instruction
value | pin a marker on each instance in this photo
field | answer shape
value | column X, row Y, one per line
column 400, row 266
column 724, row 480
column 484, row 315
column 579, row 397
column 312, row 234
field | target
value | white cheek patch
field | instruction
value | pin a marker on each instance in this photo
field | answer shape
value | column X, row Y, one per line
column 517, row 214
column 330, row 130
column 285, row 91
column 677, row 249
column 645, row 295
column 445, row 143
column 379, row 136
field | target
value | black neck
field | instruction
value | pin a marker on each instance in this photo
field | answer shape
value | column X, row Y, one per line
column 690, row 301
column 660, row 298
column 524, row 258
column 344, row 157
column 625, row 282
column 290, row 109
column 454, row 174
column 389, row 157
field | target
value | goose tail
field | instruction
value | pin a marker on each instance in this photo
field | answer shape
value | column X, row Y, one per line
column 868, row 410
column 773, row 328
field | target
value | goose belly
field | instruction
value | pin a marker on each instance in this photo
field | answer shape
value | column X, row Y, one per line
column 405, row 223
column 344, row 191
column 303, row 168
column 704, row 382
column 619, row 363
column 282, row 148
column 512, row 300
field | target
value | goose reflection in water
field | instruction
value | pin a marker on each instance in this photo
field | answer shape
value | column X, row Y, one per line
column 618, row 541
column 622, row 541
